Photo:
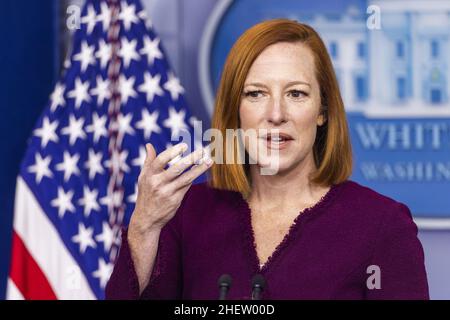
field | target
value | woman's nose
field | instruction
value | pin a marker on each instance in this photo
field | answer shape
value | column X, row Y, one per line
column 276, row 112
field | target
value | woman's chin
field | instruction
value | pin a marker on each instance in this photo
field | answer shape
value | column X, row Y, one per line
column 273, row 166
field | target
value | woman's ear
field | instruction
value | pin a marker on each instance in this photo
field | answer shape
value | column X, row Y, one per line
column 321, row 119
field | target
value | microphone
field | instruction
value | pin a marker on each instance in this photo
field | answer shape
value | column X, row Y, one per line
column 258, row 285
column 224, row 284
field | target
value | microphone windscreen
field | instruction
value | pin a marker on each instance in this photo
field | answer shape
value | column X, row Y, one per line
column 258, row 280
column 224, row 280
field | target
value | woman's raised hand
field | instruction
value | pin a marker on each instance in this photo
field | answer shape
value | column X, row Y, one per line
column 160, row 190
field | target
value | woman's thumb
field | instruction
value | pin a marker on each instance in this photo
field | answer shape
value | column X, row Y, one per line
column 151, row 153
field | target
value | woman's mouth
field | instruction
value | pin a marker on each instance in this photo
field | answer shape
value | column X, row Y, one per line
column 277, row 141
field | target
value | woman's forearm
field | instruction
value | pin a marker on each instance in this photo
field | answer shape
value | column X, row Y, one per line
column 143, row 249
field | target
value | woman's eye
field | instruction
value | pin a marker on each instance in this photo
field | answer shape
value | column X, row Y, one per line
column 297, row 93
column 253, row 94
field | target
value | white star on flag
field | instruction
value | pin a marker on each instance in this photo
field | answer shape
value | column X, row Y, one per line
column 128, row 51
column 74, row 129
column 102, row 90
column 128, row 15
column 149, row 123
column 175, row 121
column 140, row 160
column 103, row 53
column 151, row 49
column 80, row 92
column 124, row 124
column 90, row 19
column 57, row 97
column 107, row 236
column 84, row 237
column 94, row 163
column 126, row 88
column 89, row 201
column 63, row 202
column 143, row 15
column 103, row 272
column 151, row 86
column 173, row 86
column 40, row 167
column 47, row 132
column 105, row 16
column 98, row 127
column 85, row 56
column 69, row 165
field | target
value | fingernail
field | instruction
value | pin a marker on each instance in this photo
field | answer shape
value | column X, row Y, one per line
column 208, row 161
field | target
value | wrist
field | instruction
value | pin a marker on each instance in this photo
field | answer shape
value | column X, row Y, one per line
column 142, row 230
column 138, row 240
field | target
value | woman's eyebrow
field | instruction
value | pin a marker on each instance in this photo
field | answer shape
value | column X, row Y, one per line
column 291, row 83
column 255, row 84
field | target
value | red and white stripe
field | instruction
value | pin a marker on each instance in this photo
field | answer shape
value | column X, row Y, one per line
column 41, row 265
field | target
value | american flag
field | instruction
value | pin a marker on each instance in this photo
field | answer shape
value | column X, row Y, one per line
column 77, row 182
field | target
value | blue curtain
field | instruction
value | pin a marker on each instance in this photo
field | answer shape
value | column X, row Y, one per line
column 29, row 61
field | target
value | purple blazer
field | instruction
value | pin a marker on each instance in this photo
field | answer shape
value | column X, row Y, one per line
column 352, row 237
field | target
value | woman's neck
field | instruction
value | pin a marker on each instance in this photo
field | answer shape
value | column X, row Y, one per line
column 291, row 188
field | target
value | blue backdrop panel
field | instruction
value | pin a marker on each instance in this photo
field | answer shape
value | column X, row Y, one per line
column 28, row 61
column 394, row 83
